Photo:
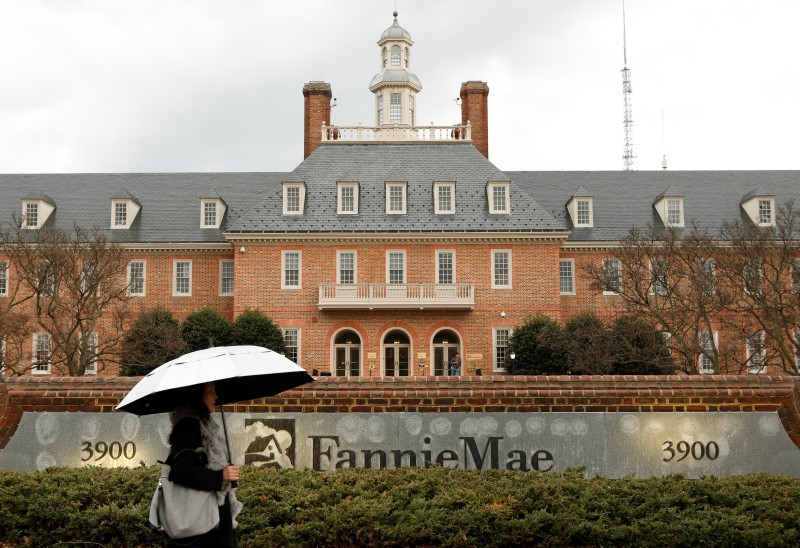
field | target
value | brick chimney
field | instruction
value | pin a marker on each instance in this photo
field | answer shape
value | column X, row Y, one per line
column 317, row 109
column 475, row 110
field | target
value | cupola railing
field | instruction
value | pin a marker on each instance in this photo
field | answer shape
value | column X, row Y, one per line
column 396, row 133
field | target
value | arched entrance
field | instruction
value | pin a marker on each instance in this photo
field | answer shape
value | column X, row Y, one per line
column 445, row 344
column 397, row 354
column 347, row 354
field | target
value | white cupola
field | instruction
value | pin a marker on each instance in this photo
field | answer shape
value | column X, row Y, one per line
column 395, row 87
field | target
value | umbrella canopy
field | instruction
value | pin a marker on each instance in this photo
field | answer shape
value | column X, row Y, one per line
column 240, row 373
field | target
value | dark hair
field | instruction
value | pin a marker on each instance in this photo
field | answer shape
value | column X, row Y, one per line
column 193, row 398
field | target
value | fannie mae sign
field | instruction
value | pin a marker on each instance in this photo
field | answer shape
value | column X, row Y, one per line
column 606, row 444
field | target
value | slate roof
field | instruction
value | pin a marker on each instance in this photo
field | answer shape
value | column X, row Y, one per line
column 622, row 199
column 170, row 202
column 419, row 165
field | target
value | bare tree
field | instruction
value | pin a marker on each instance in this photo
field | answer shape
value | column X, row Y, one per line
column 15, row 317
column 745, row 282
column 73, row 289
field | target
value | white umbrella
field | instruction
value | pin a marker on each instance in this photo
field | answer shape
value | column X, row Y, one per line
column 240, row 373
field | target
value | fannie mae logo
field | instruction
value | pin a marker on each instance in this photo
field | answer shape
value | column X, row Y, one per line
column 271, row 443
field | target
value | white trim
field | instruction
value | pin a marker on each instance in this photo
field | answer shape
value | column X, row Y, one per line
column 220, row 209
column 94, row 340
column 494, row 254
column 175, row 278
column 301, row 198
column 490, row 188
column 144, row 277
column 752, row 356
column 339, row 253
column 35, row 367
column 299, row 284
column 362, row 366
column 701, row 357
column 43, row 212
column 340, row 186
column 572, row 209
column 436, row 255
column 619, row 266
column 495, row 329
column 437, row 203
column 656, row 286
column 299, row 342
column 383, row 345
column 662, row 208
column 571, row 277
column 222, row 263
column 752, row 207
column 402, row 252
column 131, row 211
column 4, row 270
column 404, row 198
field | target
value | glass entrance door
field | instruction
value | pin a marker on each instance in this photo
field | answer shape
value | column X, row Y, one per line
column 347, row 354
column 396, row 354
column 445, row 345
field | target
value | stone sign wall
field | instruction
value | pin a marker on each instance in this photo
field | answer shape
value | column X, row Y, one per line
column 612, row 426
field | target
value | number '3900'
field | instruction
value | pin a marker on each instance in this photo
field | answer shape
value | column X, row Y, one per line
column 695, row 450
column 102, row 450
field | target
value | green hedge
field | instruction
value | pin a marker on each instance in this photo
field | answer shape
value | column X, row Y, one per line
column 413, row 507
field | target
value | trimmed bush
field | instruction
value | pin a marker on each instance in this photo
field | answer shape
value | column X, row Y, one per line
column 255, row 327
column 416, row 507
column 153, row 339
column 205, row 327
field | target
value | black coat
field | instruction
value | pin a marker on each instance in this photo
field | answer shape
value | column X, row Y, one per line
column 189, row 468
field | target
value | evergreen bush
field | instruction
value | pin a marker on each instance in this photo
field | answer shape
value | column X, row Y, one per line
column 205, row 328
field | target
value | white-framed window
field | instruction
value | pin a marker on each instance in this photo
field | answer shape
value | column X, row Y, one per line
column 347, row 199
column 566, row 276
column 3, row 278
column 756, row 353
column 137, row 276
column 795, row 276
column 385, row 57
column 705, row 363
column 181, row 278
column 30, row 212
column 659, row 276
column 411, row 118
column 42, row 349
column 120, row 214
column 752, row 275
column 395, row 266
column 226, row 277
column 497, row 193
column 346, row 272
column 707, row 276
column 380, row 110
column 612, row 274
column 209, row 214
column 500, row 338
column 45, row 279
column 91, row 367
column 396, row 198
column 212, row 210
column 765, row 212
column 445, row 266
column 501, row 269
column 395, row 108
column 583, row 209
column 291, row 341
column 395, row 56
column 444, row 198
column 674, row 212
column 292, row 264
column 294, row 198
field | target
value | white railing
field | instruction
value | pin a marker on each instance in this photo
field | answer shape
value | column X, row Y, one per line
column 369, row 296
column 395, row 133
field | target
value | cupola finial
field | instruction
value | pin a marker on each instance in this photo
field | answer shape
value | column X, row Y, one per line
column 395, row 15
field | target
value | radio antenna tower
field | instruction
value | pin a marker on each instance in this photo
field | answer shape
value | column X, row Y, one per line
column 627, row 122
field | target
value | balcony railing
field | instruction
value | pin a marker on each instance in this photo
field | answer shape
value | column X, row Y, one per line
column 395, row 133
column 397, row 296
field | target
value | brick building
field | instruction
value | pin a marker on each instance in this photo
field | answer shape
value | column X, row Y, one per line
column 389, row 248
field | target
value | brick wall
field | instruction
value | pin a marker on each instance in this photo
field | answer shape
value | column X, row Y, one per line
column 475, row 110
column 648, row 394
column 316, row 111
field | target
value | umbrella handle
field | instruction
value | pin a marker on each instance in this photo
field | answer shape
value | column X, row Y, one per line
column 234, row 484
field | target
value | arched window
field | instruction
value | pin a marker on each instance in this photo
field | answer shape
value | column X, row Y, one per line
column 385, row 57
column 395, row 56
column 347, row 354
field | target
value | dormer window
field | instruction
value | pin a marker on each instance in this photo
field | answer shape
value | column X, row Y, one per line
column 294, row 198
column 497, row 194
column 395, row 198
column 444, row 198
column 212, row 210
column 347, row 199
column 760, row 207
column 581, row 209
column 36, row 211
column 670, row 210
column 123, row 212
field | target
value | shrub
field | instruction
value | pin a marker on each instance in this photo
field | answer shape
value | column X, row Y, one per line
column 153, row 339
column 639, row 348
column 536, row 349
column 255, row 327
column 205, row 328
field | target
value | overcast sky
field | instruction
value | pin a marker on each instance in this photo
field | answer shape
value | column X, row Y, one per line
column 216, row 85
